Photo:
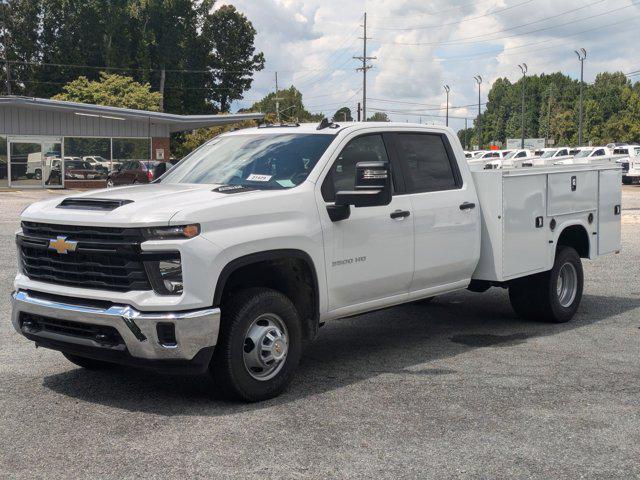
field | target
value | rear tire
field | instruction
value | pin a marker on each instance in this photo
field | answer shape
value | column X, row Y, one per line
column 552, row 296
column 88, row 363
column 259, row 345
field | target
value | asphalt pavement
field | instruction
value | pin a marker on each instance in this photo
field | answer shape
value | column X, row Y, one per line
column 460, row 388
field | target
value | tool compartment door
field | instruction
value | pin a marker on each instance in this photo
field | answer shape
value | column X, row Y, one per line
column 572, row 192
column 526, row 243
column 609, row 210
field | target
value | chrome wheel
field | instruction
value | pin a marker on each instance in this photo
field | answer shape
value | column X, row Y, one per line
column 567, row 285
column 266, row 345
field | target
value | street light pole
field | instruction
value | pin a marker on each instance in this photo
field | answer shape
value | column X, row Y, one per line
column 582, row 55
column 478, row 80
column 523, row 68
column 447, row 89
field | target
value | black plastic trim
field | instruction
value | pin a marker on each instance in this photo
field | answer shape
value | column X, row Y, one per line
column 196, row 366
column 260, row 257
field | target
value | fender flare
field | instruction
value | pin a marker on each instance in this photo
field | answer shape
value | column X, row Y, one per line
column 245, row 260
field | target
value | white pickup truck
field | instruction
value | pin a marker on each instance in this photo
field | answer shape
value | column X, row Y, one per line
column 231, row 261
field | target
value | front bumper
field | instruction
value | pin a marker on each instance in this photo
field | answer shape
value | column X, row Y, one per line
column 195, row 330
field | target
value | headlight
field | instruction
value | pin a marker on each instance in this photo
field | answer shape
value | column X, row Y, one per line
column 165, row 276
column 170, row 233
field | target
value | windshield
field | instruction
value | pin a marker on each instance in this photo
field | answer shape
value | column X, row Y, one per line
column 257, row 161
column 583, row 153
column 548, row 154
column 510, row 154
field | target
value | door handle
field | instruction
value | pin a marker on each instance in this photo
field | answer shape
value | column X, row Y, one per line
column 400, row 214
column 467, row 206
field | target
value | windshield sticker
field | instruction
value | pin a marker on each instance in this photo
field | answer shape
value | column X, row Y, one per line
column 254, row 177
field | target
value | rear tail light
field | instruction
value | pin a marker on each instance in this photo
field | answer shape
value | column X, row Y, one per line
column 149, row 175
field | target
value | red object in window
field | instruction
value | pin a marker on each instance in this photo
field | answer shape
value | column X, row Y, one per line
column 150, row 175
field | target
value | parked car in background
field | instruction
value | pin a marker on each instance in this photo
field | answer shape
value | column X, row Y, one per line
column 77, row 169
column 137, row 171
column 548, row 156
column 100, row 163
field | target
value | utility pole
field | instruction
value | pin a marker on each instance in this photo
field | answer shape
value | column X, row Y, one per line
column 466, row 134
column 277, row 99
column 582, row 55
column 365, row 66
column 478, row 80
column 523, row 68
column 549, row 112
column 447, row 89
column 5, row 40
column 359, row 110
column 162, row 80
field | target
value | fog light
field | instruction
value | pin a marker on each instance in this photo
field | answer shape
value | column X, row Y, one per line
column 165, row 276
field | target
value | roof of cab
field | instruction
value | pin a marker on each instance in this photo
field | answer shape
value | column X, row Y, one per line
column 312, row 128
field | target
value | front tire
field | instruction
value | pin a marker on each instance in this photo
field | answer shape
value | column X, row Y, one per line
column 552, row 296
column 88, row 363
column 259, row 345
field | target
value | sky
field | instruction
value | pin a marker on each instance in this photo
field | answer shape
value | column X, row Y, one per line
column 422, row 45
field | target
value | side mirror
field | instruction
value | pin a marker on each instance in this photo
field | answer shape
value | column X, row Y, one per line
column 372, row 187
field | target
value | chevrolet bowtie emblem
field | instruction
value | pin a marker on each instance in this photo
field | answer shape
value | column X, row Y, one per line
column 62, row 245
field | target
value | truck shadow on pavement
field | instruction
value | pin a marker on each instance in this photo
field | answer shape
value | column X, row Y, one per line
column 407, row 340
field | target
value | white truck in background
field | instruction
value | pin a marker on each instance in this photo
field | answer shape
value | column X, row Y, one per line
column 629, row 159
column 513, row 159
column 230, row 262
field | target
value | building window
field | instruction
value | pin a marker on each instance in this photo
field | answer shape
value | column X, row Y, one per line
column 87, row 160
column 131, row 149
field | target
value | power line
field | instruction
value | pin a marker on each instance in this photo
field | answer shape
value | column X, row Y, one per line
column 438, row 109
column 492, row 53
column 461, row 41
column 435, row 14
column 440, row 25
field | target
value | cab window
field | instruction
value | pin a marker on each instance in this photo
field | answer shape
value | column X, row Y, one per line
column 427, row 162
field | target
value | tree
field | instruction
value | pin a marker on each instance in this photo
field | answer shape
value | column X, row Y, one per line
column 343, row 115
column 232, row 57
column 112, row 90
column 202, row 58
column 291, row 107
column 379, row 117
column 551, row 110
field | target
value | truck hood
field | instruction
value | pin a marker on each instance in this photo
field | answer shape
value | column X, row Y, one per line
column 153, row 204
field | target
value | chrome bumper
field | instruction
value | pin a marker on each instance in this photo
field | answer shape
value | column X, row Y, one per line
column 194, row 330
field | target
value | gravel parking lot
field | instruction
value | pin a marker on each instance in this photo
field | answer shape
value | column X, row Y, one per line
column 457, row 389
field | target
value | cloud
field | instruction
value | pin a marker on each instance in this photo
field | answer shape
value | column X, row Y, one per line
column 422, row 44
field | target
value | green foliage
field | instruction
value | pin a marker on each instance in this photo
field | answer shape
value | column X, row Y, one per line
column 343, row 115
column 291, row 107
column 611, row 110
column 112, row 90
column 137, row 38
column 192, row 140
column 379, row 117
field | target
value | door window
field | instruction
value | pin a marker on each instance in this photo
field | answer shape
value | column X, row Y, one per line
column 427, row 163
column 342, row 176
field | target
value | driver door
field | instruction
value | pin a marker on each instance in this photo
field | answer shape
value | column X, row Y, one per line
column 368, row 256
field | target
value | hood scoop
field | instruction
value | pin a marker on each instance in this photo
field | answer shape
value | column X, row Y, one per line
column 100, row 204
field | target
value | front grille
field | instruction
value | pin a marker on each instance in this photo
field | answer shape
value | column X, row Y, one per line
column 107, row 336
column 625, row 167
column 104, row 258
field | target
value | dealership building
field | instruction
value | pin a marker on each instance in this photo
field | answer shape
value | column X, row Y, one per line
column 56, row 144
